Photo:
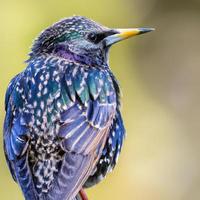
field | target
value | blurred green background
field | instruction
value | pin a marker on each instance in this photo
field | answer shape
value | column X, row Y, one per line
column 159, row 76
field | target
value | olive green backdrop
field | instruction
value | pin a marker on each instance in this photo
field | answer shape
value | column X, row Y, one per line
column 159, row 75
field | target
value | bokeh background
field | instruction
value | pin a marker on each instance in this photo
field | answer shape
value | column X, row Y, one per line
column 159, row 75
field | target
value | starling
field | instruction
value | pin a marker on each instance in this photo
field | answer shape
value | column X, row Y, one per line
column 63, row 129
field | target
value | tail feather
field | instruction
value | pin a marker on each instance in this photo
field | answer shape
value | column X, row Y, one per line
column 25, row 180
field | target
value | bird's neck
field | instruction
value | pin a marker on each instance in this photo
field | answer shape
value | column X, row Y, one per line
column 91, row 59
column 87, row 59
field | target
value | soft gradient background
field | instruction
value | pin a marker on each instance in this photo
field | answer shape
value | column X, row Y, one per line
column 159, row 75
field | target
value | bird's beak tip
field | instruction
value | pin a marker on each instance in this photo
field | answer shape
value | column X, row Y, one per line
column 145, row 30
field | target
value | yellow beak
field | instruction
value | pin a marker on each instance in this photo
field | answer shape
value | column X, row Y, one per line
column 123, row 34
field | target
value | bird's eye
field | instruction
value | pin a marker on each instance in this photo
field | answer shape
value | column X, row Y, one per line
column 95, row 37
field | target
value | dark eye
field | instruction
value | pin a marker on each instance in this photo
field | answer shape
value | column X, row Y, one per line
column 95, row 37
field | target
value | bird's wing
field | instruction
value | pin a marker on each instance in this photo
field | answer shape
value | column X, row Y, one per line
column 113, row 145
column 84, row 128
column 110, row 153
column 16, row 135
column 9, row 154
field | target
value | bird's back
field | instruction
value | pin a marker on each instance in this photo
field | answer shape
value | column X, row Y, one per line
column 59, row 118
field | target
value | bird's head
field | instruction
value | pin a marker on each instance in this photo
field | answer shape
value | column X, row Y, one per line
column 81, row 39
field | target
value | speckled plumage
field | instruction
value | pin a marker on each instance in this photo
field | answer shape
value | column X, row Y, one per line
column 63, row 128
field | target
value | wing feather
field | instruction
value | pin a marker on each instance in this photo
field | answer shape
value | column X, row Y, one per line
column 84, row 128
column 16, row 140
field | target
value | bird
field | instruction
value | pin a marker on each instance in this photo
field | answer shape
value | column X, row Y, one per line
column 63, row 128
